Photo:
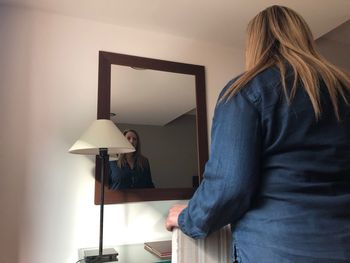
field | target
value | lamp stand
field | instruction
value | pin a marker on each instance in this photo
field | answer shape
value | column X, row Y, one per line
column 111, row 255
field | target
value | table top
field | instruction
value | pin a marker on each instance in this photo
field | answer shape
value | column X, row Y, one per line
column 134, row 253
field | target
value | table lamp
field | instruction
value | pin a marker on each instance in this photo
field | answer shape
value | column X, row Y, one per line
column 102, row 138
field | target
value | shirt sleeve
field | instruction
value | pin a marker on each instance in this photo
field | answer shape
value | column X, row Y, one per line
column 232, row 172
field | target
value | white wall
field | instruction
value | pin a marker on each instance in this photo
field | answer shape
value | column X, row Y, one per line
column 48, row 96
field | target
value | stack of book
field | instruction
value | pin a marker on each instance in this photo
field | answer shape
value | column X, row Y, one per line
column 162, row 249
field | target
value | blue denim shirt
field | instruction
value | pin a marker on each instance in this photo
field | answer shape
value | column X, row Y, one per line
column 277, row 175
column 127, row 178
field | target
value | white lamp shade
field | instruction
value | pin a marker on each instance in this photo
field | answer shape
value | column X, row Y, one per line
column 102, row 134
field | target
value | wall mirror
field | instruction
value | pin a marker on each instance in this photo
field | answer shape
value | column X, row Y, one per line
column 165, row 103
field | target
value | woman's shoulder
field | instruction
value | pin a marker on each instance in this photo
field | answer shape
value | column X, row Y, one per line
column 262, row 84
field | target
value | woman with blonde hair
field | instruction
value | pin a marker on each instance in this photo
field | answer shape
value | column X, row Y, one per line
column 279, row 168
column 131, row 170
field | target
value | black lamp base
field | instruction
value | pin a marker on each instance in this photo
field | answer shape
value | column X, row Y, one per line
column 108, row 255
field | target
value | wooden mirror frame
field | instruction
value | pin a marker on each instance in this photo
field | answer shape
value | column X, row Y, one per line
column 106, row 60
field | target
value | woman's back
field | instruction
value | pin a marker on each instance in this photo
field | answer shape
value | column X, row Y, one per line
column 279, row 167
column 302, row 207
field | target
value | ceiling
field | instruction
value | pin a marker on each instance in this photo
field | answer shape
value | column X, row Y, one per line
column 222, row 21
column 150, row 97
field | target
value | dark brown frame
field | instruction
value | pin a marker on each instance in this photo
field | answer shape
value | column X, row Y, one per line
column 106, row 59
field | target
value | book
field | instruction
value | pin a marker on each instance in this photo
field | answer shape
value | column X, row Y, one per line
column 162, row 249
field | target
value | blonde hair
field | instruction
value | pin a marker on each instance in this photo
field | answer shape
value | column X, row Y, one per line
column 278, row 35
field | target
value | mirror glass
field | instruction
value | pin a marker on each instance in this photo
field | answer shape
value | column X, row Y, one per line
column 164, row 102
column 161, row 107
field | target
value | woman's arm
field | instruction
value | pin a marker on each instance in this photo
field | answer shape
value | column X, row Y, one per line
column 232, row 173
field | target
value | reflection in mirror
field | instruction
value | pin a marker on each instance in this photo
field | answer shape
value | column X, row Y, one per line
column 165, row 103
column 161, row 107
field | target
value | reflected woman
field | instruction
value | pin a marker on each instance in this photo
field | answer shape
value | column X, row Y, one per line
column 131, row 170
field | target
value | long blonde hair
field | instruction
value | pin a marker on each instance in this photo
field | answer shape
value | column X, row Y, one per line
column 278, row 35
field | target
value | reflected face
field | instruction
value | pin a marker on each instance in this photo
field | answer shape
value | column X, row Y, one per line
column 132, row 138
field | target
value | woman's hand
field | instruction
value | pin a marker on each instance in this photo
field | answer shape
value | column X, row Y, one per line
column 173, row 215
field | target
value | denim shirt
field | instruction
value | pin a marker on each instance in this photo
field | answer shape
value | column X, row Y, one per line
column 280, row 177
column 127, row 178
